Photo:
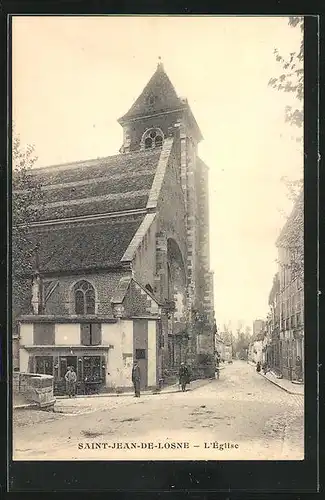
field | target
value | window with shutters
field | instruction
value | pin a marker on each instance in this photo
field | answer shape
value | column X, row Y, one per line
column 91, row 333
column 84, row 298
column 44, row 333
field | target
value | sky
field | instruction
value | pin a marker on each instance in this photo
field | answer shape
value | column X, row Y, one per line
column 73, row 77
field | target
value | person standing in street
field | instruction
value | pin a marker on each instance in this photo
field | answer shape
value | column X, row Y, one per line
column 136, row 379
column 71, row 379
column 184, row 377
column 217, row 368
column 298, row 368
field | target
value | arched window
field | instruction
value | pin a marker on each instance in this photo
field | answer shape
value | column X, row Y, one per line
column 152, row 138
column 148, row 143
column 84, row 298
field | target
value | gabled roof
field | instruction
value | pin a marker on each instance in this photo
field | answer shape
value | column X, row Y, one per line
column 164, row 99
column 275, row 288
column 123, row 287
column 163, row 93
column 95, row 213
column 115, row 183
column 87, row 245
column 292, row 232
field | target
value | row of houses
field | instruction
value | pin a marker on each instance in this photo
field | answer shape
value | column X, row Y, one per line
column 223, row 347
column 280, row 340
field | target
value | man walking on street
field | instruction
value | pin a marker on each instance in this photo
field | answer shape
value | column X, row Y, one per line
column 184, row 376
column 71, row 379
column 217, row 369
column 299, row 368
column 136, row 379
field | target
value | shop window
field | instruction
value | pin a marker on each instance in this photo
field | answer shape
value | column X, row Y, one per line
column 84, row 298
column 44, row 334
column 93, row 368
column 90, row 333
column 140, row 354
column 44, row 365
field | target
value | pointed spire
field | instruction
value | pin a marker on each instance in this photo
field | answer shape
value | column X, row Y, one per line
column 160, row 65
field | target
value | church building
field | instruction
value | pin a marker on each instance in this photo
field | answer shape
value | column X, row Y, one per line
column 120, row 253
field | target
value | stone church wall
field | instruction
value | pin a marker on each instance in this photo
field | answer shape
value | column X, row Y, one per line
column 61, row 301
column 171, row 207
column 144, row 263
column 136, row 130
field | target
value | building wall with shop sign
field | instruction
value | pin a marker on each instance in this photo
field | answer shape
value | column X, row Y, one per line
column 117, row 347
column 120, row 356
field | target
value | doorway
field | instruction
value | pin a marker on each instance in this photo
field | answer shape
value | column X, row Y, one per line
column 141, row 357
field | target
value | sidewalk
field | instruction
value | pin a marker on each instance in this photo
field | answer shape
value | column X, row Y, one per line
column 285, row 384
column 196, row 384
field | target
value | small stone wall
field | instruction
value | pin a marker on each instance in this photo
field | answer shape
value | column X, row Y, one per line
column 35, row 388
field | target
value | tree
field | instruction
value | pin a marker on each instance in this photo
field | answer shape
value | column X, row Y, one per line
column 241, row 343
column 227, row 334
column 291, row 80
column 27, row 199
column 292, row 76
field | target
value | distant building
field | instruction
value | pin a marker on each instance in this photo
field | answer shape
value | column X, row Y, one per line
column 224, row 346
column 287, row 296
column 255, row 350
column 227, row 352
column 219, row 346
column 274, row 352
column 258, row 326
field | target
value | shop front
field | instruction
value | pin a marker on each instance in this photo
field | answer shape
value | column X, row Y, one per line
column 90, row 367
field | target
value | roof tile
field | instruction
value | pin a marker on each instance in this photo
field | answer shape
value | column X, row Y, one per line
column 88, row 245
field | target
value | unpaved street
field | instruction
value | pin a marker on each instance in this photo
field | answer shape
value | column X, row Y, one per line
column 242, row 416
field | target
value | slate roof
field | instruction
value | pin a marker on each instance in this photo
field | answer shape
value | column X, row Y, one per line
column 164, row 93
column 292, row 232
column 87, row 245
column 111, row 184
column 165, row 99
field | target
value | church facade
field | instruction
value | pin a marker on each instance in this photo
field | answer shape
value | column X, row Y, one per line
column 121, row 255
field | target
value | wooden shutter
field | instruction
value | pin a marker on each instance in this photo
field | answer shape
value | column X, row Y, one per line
column 103, row 368
column 56, row 367
column 96, row 333
column 31, row 364
column 85, row 333
column 63, row 367
column 44, row 333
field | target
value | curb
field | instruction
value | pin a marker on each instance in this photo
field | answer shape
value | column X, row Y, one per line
column 27, row 406
column 167, row 390
column 280, row 386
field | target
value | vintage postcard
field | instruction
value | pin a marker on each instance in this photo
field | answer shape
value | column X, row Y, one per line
column 157, row 239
